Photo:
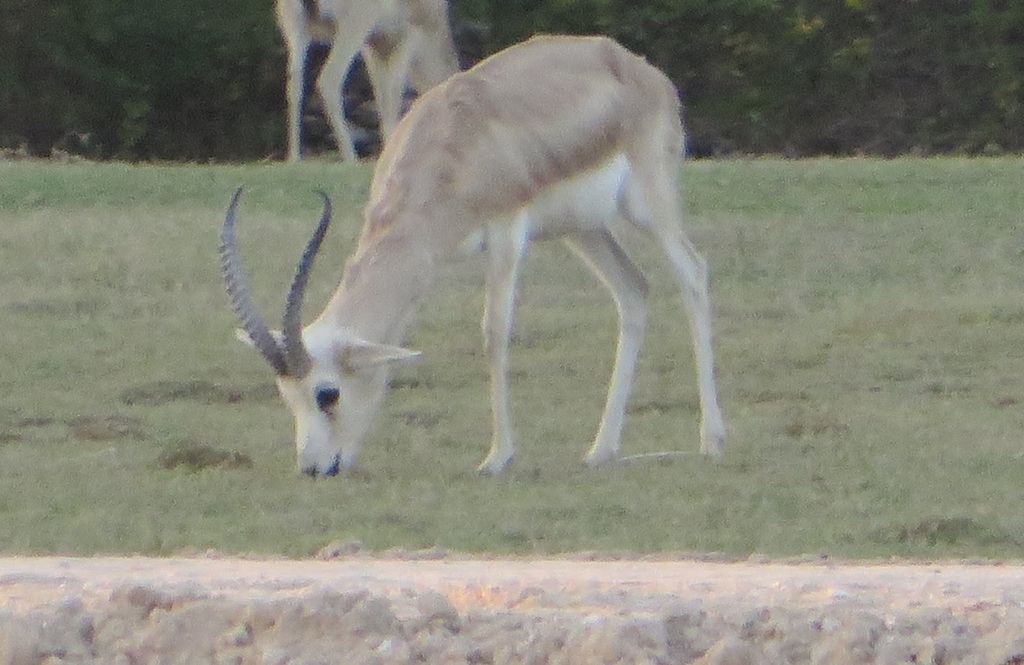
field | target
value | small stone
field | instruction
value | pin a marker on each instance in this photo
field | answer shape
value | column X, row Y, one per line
column 435, row 607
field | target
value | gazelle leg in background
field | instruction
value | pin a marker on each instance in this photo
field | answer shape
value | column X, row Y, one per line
column 330, row 83
column 297, row 42
column 388, row 69
column 602, row 253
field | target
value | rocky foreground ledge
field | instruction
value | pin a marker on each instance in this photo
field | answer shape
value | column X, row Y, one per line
column 457, row 610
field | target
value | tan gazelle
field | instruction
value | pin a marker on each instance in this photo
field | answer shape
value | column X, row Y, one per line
column 402, row 42
column 558, row 137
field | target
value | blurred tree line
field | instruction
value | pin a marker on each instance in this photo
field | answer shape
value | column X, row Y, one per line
column 198, row 80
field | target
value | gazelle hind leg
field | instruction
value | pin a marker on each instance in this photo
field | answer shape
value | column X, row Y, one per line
column 691, row 271
column 651, row 202
column 506, row 245
column 600, row 251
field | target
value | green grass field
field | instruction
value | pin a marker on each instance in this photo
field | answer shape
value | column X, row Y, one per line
column 870, row 348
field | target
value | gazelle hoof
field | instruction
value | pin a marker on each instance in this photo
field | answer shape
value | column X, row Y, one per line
column 489, row 467
column 713, row 445
column 602, row 458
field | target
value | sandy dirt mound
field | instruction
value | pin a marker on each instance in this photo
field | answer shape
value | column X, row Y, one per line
column 453, row 610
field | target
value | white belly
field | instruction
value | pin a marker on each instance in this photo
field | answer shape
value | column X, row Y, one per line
column 589, row 200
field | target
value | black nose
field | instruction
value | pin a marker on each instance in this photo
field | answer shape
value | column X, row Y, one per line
column 327, row 397
column 332, row 470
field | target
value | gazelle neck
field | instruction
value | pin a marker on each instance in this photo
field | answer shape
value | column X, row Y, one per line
column 384, row 283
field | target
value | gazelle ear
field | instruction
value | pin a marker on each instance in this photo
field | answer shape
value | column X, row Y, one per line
column 359, row 354
column 244, row 338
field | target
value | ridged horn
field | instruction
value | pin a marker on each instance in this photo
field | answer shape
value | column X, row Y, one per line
column 295, row 353
column 241, row 301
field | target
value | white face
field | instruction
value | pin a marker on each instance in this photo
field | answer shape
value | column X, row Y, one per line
column 333, row 412
column 334, row 405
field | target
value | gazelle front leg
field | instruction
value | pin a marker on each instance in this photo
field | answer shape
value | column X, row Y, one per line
column 506, row 245
column 603, row 254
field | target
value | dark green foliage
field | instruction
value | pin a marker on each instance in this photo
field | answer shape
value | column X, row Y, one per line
column 204, row 80
column 134, row 79
column 805, row 77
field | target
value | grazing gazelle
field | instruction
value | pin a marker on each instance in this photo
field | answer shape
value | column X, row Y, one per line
column 401, row 41
column 558, row 137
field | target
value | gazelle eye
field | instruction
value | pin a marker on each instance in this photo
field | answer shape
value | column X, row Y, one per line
column 327, row 397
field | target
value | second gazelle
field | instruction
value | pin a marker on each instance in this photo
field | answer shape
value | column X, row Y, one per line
column 559, row 137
